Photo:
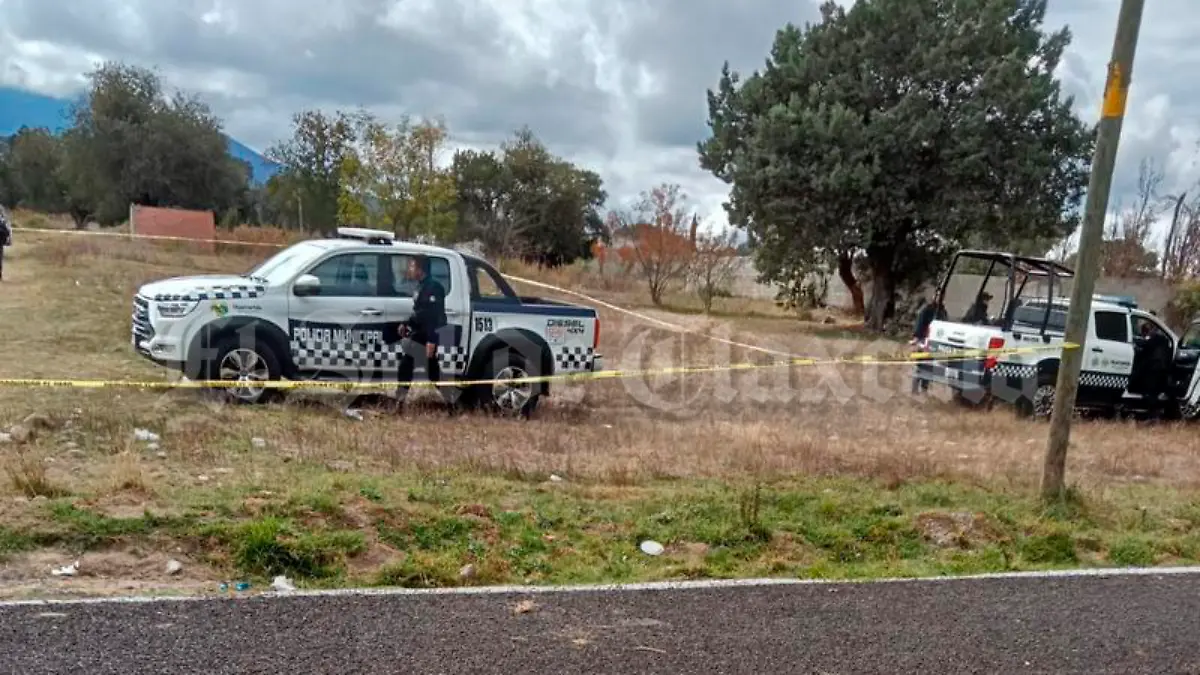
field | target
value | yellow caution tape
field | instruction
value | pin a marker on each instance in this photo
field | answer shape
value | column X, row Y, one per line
column 792, row 359
column 915, row 357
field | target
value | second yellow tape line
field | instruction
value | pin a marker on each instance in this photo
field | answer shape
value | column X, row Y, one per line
column 908, row 360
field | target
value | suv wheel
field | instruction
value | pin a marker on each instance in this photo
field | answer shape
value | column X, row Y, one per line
column 518, row 399
column 249, row 367
column 1043, row 401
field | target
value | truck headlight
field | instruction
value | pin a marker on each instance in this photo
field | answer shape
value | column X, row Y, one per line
column 176, row 310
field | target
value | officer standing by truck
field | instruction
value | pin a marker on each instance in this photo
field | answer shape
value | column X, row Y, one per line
column 419, row 335
column 5, row 237
column 930, row 311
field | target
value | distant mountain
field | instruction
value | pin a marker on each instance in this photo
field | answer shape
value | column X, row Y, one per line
column 20, row 108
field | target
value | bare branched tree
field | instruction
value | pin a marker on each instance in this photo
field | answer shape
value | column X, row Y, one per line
column 714, row 266
column 1127, row 251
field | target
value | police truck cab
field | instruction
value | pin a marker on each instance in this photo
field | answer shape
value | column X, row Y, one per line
column 325, row 310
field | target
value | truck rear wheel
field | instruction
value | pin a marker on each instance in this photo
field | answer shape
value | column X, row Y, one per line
column 518, row 399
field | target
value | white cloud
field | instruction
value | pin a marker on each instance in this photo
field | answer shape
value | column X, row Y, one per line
column 616, row 85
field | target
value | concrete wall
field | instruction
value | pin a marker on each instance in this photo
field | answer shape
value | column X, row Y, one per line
column 1150, row 293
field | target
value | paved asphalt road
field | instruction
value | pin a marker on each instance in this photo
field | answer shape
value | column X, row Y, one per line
column 1093, row 625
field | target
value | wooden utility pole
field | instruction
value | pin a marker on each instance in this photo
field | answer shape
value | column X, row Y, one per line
column 1112, row 113
column 1169, row 246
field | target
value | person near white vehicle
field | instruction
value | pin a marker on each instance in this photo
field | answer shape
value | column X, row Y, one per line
column 929, row 312
column 420, row 334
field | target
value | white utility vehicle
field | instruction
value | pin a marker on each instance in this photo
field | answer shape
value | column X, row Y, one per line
column 1132, row 362
column 325, row 309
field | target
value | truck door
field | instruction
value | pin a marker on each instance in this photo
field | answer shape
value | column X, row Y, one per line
column 1107, row 359
column 452, row 352
column 339, row 331
column 1187, row 376
column 1154, row 352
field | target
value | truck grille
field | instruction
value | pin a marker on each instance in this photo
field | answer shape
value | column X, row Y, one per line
column 142, row 329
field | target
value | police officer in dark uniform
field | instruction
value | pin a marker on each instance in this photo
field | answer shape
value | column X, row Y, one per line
column 5, row 237
column 419, row 335
column 931, row 311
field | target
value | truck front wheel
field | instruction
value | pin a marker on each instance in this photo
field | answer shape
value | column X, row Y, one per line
column 248, row 366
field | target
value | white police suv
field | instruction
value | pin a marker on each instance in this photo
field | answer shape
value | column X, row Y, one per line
column 322, row 310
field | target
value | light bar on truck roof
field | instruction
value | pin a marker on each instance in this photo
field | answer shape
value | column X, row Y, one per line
column 1127, row 301
column 366, row 234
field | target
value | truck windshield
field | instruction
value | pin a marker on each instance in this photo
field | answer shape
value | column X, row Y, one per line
column 285, row 264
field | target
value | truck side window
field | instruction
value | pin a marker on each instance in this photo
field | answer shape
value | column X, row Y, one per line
column 487, row 285
column 1191, row 337
column 403, row 287
column 351, row 275
column 1144, row 326
column 1112, row 326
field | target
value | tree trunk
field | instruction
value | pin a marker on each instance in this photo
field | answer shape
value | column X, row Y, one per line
column 846, row 272
column 80, row 216
column 655, row 294
column 883, row 288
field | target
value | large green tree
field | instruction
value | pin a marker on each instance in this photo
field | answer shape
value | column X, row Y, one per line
column 524, row 201
column 392, row 177
column 305, row 191
column 131, row 142
column 8, row 183
column 896, row 131
column 34, row 158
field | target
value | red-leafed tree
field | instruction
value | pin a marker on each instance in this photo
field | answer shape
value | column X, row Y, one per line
column 660, row 246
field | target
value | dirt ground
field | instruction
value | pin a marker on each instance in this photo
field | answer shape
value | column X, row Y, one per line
column 66, row 304
column 65, row 309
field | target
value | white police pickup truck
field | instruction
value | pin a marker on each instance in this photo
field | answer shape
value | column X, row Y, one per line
column 1120, row 371
column 325, row 310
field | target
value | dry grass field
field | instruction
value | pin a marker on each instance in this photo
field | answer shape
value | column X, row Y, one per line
column 829, row 470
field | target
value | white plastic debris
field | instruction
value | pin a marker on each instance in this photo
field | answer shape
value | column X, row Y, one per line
column 258, row 442
column 354, row 414
column 650, row 547
column 282, row 584
column 555, row 478
column 174, row 567
column 145, row 435
column 67, row 571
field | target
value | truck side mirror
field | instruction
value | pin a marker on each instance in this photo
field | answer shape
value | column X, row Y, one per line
column 307, row 284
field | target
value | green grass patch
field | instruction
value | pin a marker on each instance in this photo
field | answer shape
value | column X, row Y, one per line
column 270, row 546
column 454, row 529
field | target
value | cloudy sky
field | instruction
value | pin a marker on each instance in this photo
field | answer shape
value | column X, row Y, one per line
column 618, row 85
